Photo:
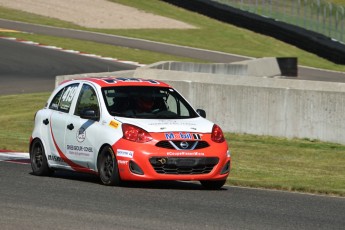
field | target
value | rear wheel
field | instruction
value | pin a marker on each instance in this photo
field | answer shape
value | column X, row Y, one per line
column 107, row 167
column 38, row 159
column 213, row 184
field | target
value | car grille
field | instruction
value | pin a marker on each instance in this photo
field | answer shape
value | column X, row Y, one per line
column 183, row 165
column 191, row 145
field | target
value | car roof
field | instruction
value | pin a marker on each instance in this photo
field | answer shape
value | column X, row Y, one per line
column 120, row 81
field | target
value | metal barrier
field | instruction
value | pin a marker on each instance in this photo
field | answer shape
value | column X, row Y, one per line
column 315, row 15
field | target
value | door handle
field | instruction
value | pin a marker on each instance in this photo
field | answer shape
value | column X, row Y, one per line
column 46, row 121
column 70, row 126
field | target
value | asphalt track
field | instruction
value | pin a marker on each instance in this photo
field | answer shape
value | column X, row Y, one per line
column 77, row 201
column 27, row 68
column 304, row 73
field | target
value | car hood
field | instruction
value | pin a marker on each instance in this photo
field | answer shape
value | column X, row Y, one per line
column 197, row 125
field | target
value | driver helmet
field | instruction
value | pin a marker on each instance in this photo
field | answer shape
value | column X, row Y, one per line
column 145, row 103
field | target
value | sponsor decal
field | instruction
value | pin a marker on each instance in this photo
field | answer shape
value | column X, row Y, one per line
column 55, row 158
column 81, row 134
column 181, row 135
column 185, row 154
column 114, row 124
column 164, row 122
column 109, row 80
column 122, row 162
column 123, row 79
column 196, row 136
column 125, row 153
column 54, row 106
column 79, row 150
column 73, row 165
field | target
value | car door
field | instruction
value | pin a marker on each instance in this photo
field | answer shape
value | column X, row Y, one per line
column 82, row 134
column 59, row 108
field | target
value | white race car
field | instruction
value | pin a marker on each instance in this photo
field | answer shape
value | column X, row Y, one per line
column 127, row 129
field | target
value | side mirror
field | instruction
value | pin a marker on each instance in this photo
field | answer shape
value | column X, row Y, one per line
column 89, row 114
column 201, row 112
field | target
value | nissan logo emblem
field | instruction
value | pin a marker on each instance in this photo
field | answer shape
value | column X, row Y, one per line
column 184, row 144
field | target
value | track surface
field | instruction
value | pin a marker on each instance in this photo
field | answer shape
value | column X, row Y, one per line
column 78, row 201
column 27, row 68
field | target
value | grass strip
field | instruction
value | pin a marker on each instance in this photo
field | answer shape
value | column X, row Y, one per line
column 17, row 119
column 295, row 165
column 258, row 161
column 121, row 53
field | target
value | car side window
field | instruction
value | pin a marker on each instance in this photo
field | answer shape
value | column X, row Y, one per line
column 175, row 105
column 87, row 100
column 63, row 99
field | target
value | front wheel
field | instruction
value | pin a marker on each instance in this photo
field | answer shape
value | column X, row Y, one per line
column 38, row 159
column 213, row 184
column 107, row 167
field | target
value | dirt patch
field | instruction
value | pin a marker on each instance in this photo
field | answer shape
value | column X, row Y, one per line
column 96, row 14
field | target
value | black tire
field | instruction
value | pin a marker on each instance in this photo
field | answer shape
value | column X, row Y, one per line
column 107, row 167
column 213, row 184
column 38, row 159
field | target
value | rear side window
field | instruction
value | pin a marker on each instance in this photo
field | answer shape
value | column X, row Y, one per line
column 87, row 100
column 63, row 99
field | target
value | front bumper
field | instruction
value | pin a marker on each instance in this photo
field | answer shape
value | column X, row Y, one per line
column 147, row 162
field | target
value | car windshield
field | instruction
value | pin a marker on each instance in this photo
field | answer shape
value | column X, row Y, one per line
column 146, row 102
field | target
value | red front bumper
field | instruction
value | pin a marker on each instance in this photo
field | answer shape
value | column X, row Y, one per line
column 147, row 162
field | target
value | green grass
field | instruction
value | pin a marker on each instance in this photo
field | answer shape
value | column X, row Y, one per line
column 307, row 14
column 16, row 119
column 257, row 161
column 121, row 53
column 293, row 165
column 210, row 34
column 338, row 2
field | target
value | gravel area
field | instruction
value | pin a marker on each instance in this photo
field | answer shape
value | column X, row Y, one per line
column 96, row 14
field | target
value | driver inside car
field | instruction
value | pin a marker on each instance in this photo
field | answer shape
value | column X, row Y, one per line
column 144, row 104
